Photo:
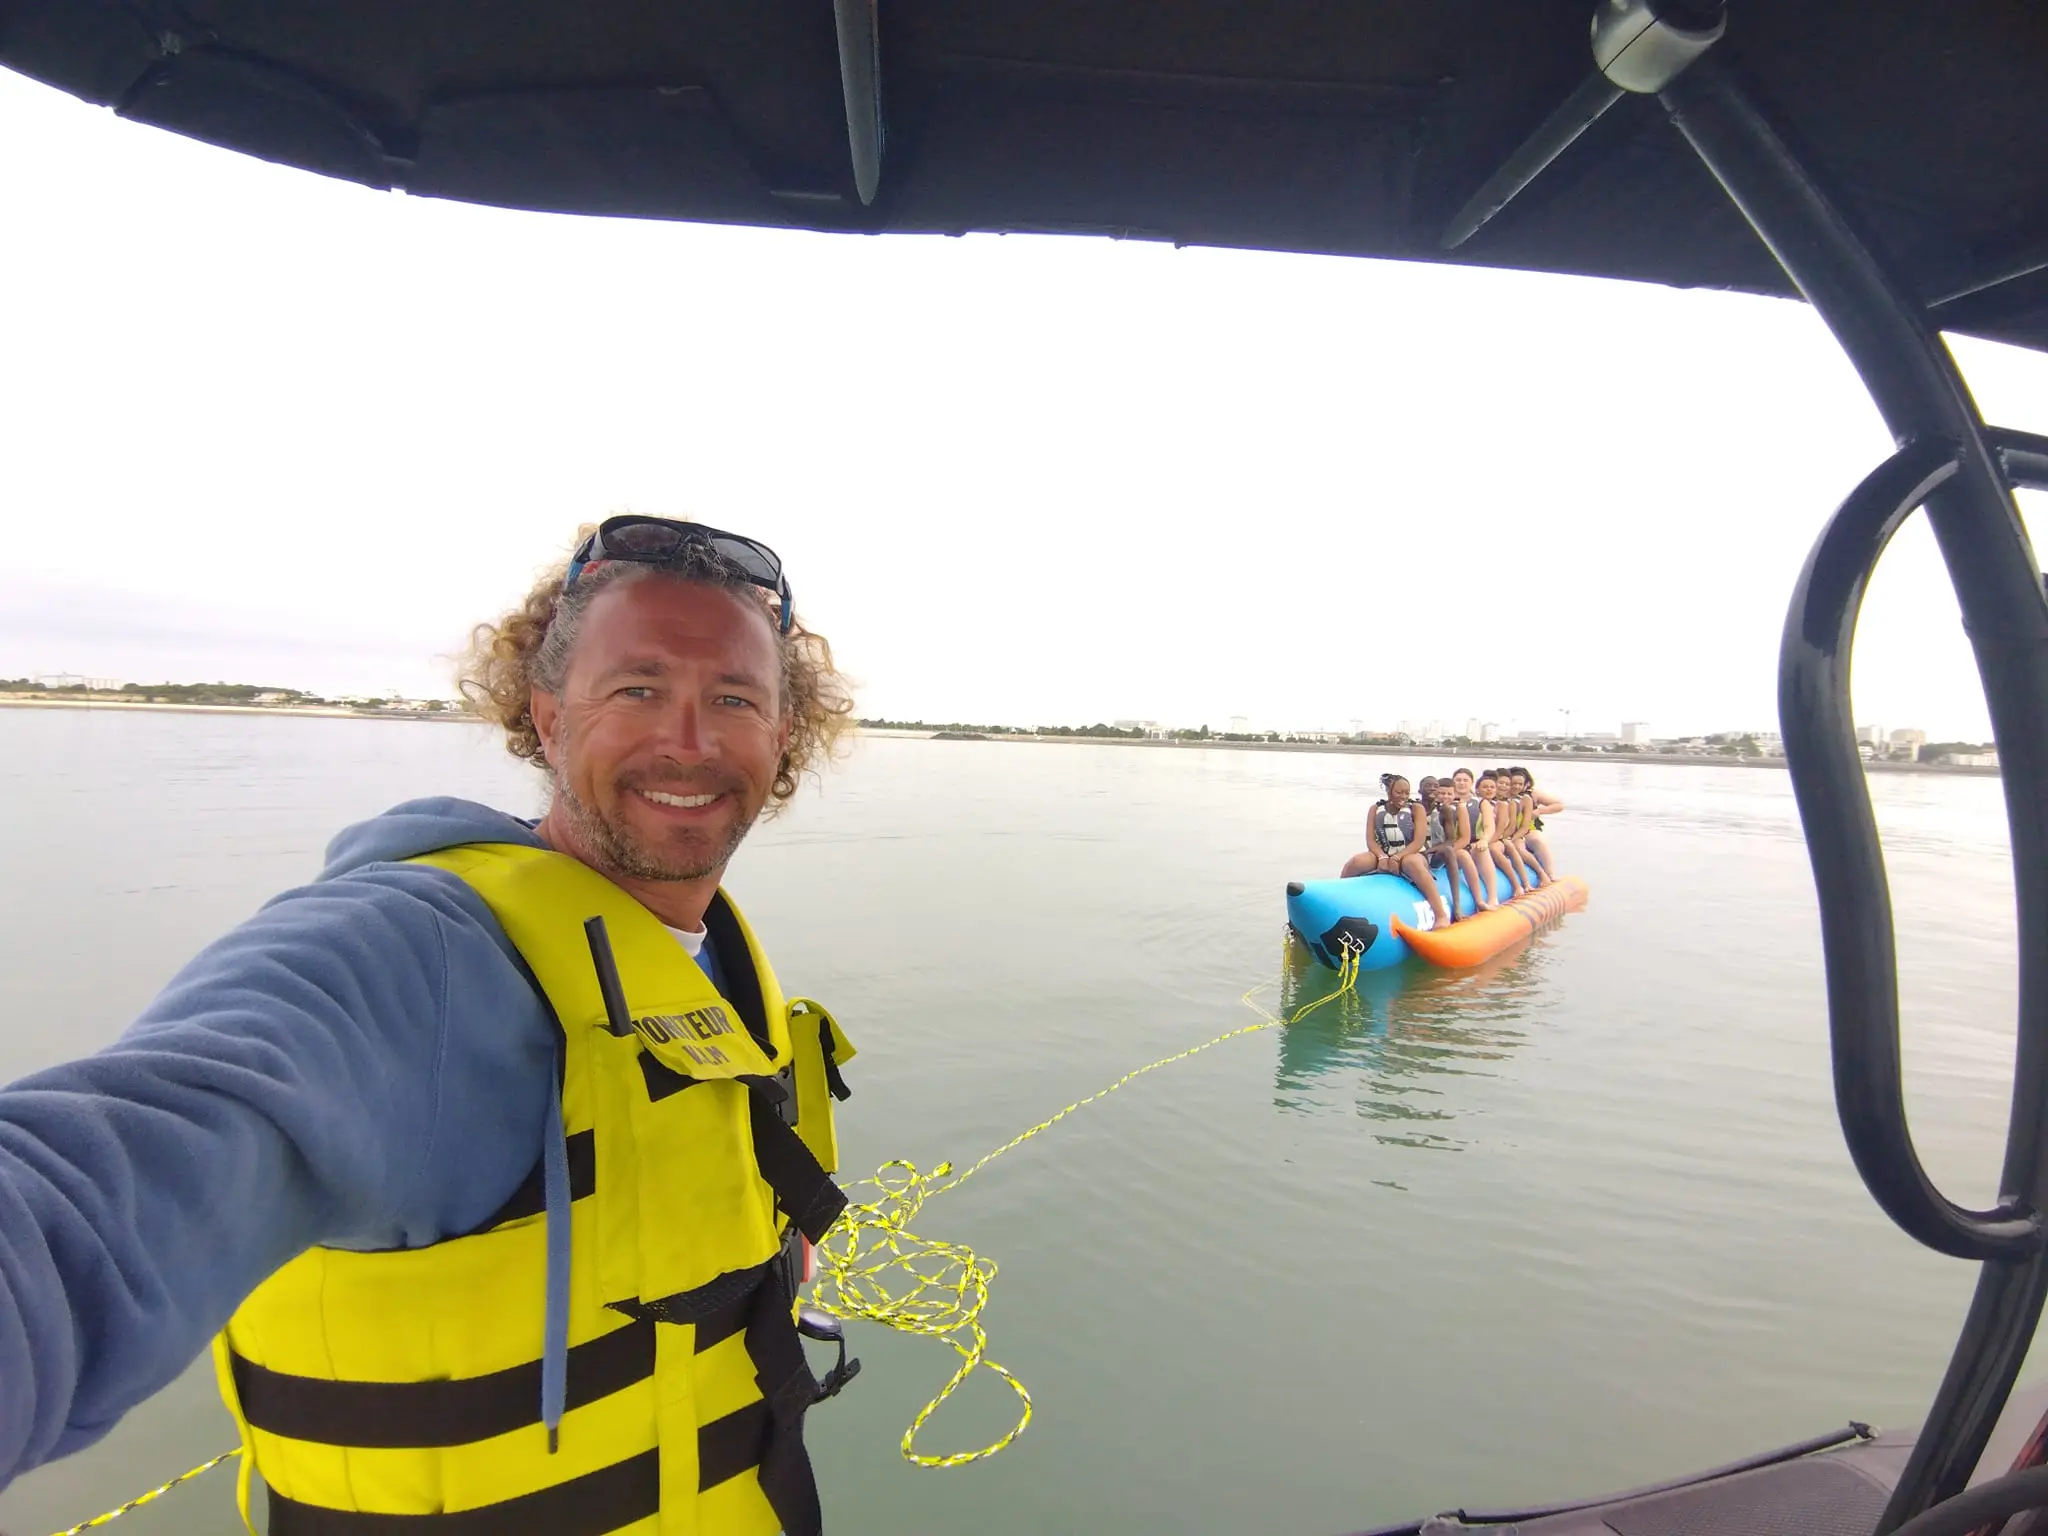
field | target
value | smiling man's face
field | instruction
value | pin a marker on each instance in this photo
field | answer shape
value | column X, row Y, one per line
column 666, row 736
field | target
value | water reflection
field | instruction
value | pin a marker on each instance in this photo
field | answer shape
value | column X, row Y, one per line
column 1392, row 1049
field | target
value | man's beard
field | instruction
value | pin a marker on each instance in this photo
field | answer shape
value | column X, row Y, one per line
column 619, row 852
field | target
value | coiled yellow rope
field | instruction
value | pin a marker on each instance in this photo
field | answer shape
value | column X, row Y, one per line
column 939, row 1288
column 947, row 1282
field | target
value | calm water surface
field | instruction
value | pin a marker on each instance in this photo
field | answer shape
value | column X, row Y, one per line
column 1575, row 1221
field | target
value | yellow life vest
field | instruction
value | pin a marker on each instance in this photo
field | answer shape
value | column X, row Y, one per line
column 403, row 1389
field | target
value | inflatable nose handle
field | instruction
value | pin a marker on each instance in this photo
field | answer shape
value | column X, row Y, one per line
column 816, row 1323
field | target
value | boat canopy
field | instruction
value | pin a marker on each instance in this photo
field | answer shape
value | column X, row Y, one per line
column 1353, row 127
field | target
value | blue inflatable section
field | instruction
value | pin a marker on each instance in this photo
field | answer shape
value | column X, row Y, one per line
column 1330, row 916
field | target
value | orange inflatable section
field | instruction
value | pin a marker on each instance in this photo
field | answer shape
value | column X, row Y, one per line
column 1471, row 940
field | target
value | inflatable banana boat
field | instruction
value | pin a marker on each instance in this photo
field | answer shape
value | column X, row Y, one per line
column 1385, row 918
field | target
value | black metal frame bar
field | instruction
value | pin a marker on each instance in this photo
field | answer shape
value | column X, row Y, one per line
column 1848, row 862
column 1963, row 473
column 2024, row 455
column 1557, row 133
column 860, row 80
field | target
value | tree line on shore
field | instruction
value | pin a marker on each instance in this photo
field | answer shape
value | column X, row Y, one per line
column 254, row 695
column 257, row 695
column 957, row 728
column 1735, row 744
column 1125, row 732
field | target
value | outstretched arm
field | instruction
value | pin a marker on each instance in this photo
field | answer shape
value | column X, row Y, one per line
column 304, row 1080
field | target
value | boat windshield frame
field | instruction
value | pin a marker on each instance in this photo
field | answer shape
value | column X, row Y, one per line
column 1963, row 473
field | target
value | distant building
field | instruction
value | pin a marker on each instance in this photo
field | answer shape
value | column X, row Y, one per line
column 1769, row 743
column 1906, row 743
column 1489, row 730
column 1871, row 736
column 1635, row 733
column 1974, row 759
column 1145, row 727
column 1473, row 728
column 73, row 680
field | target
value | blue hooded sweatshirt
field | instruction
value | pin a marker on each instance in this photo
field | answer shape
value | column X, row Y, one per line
column 362, row 1064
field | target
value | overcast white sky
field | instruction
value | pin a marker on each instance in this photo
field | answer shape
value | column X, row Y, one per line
column 263, row 427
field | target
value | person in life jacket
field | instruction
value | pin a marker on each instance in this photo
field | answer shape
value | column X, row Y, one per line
column 1397, row 837
column 488, row 1161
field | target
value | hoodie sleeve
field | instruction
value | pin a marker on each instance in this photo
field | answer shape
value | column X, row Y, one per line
column 362, row 1064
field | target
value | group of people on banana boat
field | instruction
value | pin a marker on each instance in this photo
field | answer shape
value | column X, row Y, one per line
column 1468, row 826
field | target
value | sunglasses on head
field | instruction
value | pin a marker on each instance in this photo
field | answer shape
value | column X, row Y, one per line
column 662, row 541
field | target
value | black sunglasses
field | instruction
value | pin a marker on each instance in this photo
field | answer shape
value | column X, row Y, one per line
column 661, row 541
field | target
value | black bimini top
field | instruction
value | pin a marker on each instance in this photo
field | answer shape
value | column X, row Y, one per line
column 1352, row 127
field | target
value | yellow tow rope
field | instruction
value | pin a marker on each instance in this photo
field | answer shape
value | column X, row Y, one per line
column 153, row 1495
column 948, row 1282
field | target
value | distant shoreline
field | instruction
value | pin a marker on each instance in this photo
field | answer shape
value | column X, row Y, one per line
column 1344, row 748
column 309, row 711
column 1484, row 753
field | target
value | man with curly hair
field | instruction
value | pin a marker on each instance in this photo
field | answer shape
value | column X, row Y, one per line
column 494, row 1155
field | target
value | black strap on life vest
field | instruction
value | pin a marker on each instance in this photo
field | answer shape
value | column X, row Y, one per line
column 787, row 1391
column 609, row 1499
column 741, row 986
column 439, row 1413
column 804, row 1191
column 767, row 1435
column 832, row 1078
